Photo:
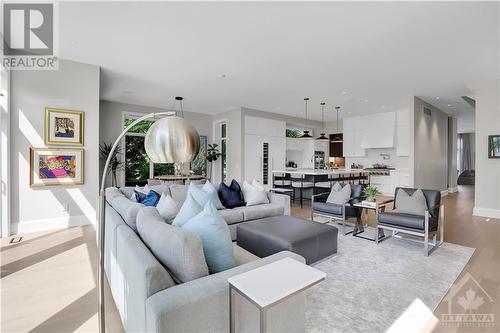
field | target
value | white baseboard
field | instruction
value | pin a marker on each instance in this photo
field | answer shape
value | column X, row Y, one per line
column 24, row 227
column 444, row 193
column 486, row 212
column 452, row 189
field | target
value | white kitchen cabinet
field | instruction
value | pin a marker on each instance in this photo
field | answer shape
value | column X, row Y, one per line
column 379, row 130
column 352, row 143
column 382, row 183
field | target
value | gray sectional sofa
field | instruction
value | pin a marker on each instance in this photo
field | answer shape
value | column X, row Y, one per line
column 149, row 299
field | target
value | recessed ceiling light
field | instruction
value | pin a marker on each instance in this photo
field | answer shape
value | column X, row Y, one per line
column 383, row 106
column 449, row 105
column 437, row 97
column 222, row 76
column 366, row 101
column 344, row 93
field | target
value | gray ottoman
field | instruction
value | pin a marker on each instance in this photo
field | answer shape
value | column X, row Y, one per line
column 312, row 240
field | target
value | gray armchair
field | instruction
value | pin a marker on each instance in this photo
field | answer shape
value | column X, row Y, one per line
column 418, row 225
column 320, row 207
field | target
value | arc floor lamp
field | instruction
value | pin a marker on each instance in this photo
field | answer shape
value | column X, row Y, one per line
column 169, row 140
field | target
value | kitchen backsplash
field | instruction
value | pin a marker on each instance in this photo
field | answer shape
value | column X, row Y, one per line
column 373, row 156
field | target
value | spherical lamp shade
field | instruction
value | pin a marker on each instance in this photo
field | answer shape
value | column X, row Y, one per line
column 172, row 140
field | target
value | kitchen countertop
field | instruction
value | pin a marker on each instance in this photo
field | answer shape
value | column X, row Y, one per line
column 317, row 172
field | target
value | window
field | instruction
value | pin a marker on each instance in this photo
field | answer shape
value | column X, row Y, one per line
column 138, row 167
column 223, row 150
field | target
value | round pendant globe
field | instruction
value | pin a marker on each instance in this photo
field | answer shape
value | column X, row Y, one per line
column 172, row 140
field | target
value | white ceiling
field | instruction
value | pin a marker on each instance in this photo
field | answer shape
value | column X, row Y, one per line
column 366, row 57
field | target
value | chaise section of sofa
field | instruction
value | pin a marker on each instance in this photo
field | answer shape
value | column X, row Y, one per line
column 148, row 298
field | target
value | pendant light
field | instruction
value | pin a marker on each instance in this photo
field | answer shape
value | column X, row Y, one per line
column 172, row 139
column 337, row 138
column 322, row 136
column 306, row 134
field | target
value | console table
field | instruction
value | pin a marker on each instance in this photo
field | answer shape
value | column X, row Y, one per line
column 271, row 284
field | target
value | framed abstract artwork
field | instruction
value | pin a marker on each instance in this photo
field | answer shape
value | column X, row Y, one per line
column 494, row 146
column 56, row 166
column 199, row 163
column 63, row 127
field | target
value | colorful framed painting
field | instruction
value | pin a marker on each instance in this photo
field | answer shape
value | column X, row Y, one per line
column 494, row 146
column 199, row 163
column 63, row 127
column 56, row 166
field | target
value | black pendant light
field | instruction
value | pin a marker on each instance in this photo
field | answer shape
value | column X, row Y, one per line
column 306, row 134
column 322, row 136
column 337, row 138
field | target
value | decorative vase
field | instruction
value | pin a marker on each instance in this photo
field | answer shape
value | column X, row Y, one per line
column 371, row 199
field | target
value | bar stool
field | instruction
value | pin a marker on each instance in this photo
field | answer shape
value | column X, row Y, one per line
column 299, row 182
column 280, row 180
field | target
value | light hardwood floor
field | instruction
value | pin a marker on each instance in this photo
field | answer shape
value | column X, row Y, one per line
column 48, row 279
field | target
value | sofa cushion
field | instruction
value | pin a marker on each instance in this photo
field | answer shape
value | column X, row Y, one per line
column 215, row 236
column 328, row 208
column 190, row 208
column 232, row 215
column 414, row 203
column 402, row 219
column 254, row 194
column 179, row 250
column 261, row 211
column 178, row 193
column 168, row 207
column 151, row 199
column 127, row 209
column 231, row 196
column 113, row 192
column 207, row 193
column 138, row 196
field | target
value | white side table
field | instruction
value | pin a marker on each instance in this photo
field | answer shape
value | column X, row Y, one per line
column 271, row 284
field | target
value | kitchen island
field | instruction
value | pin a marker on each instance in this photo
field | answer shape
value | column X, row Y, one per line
column 309, row 181
column 318, row 172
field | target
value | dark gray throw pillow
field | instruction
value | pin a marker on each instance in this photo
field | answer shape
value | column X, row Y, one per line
column 231, row 196
column 411, row 204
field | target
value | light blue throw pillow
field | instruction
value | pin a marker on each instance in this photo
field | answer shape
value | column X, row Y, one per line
column 216, row 238
column 207, row 193
column 190, row 208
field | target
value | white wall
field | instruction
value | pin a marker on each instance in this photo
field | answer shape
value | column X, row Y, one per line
column 452, row 155
column 234, row 140
column 429, row 163
column 111, row 124
column 5, row 151
column 74, row 86
column 487, row 193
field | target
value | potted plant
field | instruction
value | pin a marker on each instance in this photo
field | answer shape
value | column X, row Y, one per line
column 115, row 163
column 371, row 192
column 213, row 155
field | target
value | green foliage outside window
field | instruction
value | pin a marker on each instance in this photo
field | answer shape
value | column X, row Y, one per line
column 293, row 133
column 141, row 127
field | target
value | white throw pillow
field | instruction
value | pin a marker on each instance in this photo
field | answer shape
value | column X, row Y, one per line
column 137, row 188
column 339, row 197
column 257, row 184
column 167, row 207
column 254, row 195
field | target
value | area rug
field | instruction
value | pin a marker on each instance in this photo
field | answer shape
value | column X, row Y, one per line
column 368, row 286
